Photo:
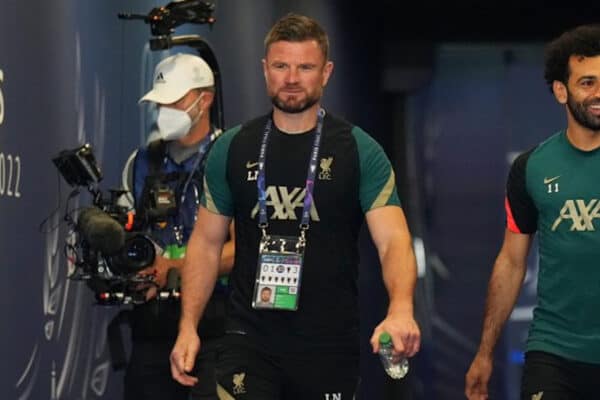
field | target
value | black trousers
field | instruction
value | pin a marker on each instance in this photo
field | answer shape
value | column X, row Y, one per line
column 148, row 374
column 246, row 371
column 550, row 377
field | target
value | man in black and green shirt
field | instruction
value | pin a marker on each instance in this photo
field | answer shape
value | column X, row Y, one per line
column 298, row 182
column 554, row 190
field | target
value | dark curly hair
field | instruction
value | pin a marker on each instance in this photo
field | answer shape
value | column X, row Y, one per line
column 298, row 28
column 583, row 40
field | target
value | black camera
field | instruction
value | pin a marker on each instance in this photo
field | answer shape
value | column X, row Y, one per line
column 78, row 166
column 163, row 20
column 108, row 246
column 161, row 202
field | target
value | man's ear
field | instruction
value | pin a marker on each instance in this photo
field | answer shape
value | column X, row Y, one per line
column 264, row 67
column 560, row 92
column 327, row 70
column 208, row 97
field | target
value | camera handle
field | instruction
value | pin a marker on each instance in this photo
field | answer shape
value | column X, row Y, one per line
column 163, row 21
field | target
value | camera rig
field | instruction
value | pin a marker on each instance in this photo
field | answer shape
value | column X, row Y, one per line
column 107, row 246
column 163, row 21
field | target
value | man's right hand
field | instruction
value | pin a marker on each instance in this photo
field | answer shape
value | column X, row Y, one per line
column 183, row 357
column 159, row 271
column 477, row 378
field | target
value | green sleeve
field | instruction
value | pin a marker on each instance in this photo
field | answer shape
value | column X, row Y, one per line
column 377, row 178
column 216, row 196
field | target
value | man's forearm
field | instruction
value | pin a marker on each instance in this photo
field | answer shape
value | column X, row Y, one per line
column 198, row 277
column 503, row 290
column 399, row 276
column 227, row 258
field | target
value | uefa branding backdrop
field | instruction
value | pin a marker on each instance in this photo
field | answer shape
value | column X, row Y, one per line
column 52, row 97
column 64, row 81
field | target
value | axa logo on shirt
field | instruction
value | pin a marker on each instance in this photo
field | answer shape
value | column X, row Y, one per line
column 580, row 213
column 284, row 201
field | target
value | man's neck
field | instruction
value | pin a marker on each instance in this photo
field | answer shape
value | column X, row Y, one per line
column 293, row 123
column 197, row 133
column 580, row 137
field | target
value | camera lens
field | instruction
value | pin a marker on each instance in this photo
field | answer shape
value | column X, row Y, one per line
column 137, row 253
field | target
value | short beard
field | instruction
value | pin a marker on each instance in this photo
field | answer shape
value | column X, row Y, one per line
column 580, row 114
column 295, row 108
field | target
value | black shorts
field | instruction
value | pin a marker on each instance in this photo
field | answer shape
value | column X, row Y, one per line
column 550, row 377
column 246, row 371
column 148, row 374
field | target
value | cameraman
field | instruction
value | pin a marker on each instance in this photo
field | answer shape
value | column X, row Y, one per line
column 166, row 181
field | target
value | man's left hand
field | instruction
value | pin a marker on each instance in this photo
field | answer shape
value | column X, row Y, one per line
column 404, row 331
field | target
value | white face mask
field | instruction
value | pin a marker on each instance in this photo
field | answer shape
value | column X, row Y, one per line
column 174, row 124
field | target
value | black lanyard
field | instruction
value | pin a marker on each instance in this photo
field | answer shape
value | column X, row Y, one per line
column 310, row 178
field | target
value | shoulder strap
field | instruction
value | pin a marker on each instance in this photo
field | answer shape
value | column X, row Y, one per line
column 156, row 152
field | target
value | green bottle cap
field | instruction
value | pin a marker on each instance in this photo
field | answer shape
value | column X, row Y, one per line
column 385, row 338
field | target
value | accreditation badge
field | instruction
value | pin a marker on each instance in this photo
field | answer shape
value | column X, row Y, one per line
column 174, row 252
column 279, row 272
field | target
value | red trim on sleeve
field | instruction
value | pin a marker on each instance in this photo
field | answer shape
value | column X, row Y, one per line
column 510, row 221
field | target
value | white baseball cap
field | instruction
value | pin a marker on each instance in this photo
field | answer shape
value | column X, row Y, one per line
column 176, row 75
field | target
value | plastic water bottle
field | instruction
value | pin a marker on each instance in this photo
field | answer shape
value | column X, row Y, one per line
column 396, row 369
